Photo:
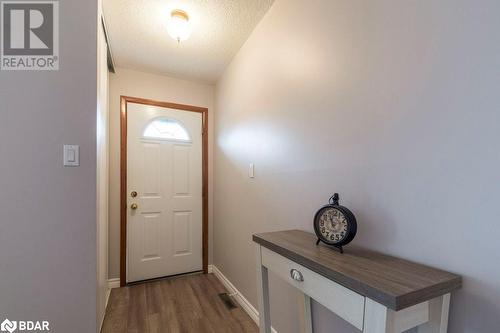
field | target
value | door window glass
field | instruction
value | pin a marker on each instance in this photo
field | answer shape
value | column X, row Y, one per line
column 164, row 128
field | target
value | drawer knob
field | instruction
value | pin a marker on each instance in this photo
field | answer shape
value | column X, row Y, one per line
column 296, row 275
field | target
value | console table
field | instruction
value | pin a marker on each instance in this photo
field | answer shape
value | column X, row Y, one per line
column 374, row 292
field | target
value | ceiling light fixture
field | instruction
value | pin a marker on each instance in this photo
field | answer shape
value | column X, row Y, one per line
column 179, row 27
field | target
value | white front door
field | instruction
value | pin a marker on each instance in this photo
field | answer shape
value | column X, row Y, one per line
column 164, row 191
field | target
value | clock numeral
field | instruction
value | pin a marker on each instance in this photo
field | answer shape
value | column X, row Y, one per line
column 336, row 237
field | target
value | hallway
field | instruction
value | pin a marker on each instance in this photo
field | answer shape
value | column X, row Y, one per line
column 180, row 304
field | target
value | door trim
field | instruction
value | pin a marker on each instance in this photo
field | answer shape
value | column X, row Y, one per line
column 123, row 176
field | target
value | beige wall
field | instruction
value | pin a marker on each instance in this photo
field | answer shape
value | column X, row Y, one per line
column 144, row 85
column 395, row 105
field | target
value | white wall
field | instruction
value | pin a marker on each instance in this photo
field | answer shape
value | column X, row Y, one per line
column 394, row 104
column 48, row 212
column 144, row 85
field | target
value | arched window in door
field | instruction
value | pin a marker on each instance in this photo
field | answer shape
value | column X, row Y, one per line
column 166, row 129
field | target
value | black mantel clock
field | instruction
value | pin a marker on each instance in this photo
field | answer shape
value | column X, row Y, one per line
column 335, row 225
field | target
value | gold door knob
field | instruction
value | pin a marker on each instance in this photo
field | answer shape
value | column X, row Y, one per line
column 134, row 206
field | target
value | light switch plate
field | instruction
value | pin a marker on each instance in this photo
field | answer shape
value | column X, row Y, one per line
column 71, row 155
column 251, row 171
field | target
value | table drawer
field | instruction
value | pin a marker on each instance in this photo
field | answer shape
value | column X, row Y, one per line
column 346, row 303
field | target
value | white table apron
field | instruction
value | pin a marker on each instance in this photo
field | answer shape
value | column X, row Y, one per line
column 362, row 312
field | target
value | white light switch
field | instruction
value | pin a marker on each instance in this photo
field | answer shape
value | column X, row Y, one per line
column 251, row 171
column 71, row 155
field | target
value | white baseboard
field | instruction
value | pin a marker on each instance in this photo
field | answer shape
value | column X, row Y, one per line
column 113, row 283
column 237, row 295
column 108, row 292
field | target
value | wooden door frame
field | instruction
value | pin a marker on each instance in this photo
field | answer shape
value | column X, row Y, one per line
column 123, row 175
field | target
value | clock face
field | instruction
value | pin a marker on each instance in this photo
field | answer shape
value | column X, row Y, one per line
column 333, row 225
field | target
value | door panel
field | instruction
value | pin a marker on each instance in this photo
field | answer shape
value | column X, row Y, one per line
column 151, row 224
column 181, row 170
column 165, row 231
column 151, row 165
column 182, row 233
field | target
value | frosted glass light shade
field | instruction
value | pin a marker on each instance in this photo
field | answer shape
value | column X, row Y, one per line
column 178, row 26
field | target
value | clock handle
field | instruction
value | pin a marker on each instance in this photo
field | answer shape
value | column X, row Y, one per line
column 334, row 199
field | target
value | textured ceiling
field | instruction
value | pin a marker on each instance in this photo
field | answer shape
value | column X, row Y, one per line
column 139, row 38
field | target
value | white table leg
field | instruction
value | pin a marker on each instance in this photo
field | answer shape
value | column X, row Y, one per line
column 305, row 307
column 263, row 294
column 429, row 317
column 376, row 318
column 438, row 316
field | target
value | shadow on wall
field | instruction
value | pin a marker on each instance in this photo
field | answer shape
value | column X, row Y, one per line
column 465, row 304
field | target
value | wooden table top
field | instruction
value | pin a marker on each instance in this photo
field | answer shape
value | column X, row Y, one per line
column 393, row 282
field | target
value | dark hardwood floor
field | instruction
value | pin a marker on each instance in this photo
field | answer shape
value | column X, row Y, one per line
column 185, row 304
